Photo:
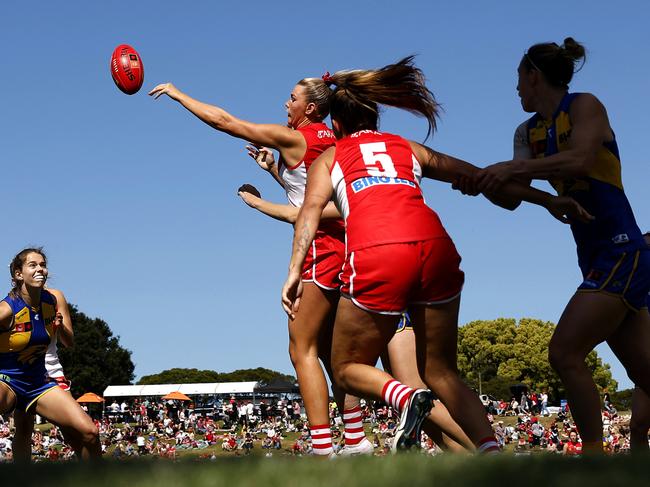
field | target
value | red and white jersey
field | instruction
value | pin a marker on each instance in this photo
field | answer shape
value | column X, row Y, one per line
column 376, row 180
column 318, row 137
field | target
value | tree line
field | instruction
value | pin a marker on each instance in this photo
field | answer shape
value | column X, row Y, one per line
column 496, row 354
column 188, row 376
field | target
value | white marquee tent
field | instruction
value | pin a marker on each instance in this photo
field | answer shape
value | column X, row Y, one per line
column 187, row 389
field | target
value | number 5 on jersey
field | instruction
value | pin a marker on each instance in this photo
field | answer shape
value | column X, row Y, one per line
column 377, row 161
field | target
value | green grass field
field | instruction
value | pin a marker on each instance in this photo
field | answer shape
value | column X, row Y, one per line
column 410, row 469
column 282, row 469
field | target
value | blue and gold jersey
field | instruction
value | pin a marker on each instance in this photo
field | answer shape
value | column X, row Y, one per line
column 600, row 192
column 23, row 348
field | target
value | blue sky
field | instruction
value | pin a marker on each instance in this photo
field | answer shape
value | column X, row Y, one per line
column 135, row 200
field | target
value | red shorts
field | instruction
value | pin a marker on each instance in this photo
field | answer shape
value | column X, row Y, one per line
column 388, row 278
column 324, row 261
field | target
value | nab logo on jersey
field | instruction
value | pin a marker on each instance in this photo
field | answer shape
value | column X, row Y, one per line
column 325, row 134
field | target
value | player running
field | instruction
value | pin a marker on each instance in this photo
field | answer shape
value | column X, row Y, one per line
column 398, row 254
column 24, row 422
column 399, row 358
column 27, row 324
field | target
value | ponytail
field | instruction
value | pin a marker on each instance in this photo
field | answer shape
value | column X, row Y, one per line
column 358, row 93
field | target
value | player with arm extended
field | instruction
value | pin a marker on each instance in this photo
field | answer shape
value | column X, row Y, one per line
column 299, row 143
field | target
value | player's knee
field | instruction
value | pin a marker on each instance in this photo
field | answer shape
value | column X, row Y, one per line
column 301, row 353
column 7, row 402
column 440, row 378
column 341, row 375
column 561, row 359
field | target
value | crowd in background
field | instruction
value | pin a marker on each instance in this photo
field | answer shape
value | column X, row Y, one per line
column 163, row 428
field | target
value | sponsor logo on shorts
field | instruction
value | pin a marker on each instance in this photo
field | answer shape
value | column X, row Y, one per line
column 621, row 238
column 369, row 181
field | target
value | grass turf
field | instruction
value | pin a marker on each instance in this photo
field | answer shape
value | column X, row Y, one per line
column 409, row 469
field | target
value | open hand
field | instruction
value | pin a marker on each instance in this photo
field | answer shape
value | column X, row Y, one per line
column 263, row 156
column 568, row 210
column 165, row 89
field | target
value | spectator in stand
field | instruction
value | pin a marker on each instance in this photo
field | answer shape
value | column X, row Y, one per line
column 124, row 411
column 544, row 404
column 502, row 407
column 141, row 441
column 500, row 434
column 523, row 404
column 514, row 406
column 607, row 404
column 537, row 431
column 573, row 447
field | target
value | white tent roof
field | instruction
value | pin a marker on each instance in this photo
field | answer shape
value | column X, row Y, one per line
column 188, row 389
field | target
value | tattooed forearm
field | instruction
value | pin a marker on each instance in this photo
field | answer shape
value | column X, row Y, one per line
column 304, row 239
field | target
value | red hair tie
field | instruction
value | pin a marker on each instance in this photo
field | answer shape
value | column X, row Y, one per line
column 326, row 77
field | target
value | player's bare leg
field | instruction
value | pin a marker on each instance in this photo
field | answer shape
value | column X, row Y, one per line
column 61, row 409
column 401, row 363
column 588, row 319
column 436, row 331
column 22, row 443
column 316, row 311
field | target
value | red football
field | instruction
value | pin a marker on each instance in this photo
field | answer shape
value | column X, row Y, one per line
column 127, row 69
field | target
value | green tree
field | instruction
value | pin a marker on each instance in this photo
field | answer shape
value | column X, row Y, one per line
column 622, row 400
column 496, row 352
column 97, row 360
column 180, row 376
column 186, row 376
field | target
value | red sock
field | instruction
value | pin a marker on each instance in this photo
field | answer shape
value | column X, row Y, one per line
column 396, row 394
column 353, row 426
column 488, row 445
column 321, row 439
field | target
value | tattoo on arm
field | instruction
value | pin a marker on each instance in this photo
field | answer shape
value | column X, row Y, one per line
column 304, row 240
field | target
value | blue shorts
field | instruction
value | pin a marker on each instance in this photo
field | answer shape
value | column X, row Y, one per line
column 622, row 274
column 404, row 323
column 27, row 392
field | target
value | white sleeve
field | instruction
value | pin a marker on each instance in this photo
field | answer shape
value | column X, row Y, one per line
column 521, row 149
